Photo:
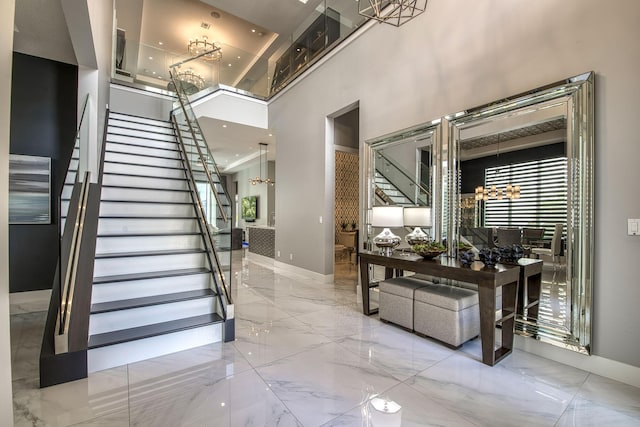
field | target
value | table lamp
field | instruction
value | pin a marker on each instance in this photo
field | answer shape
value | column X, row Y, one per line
column 386, row 217
column 417, row 216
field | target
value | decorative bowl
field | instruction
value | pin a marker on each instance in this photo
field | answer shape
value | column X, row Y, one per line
column 429, row 250
column 429, row 254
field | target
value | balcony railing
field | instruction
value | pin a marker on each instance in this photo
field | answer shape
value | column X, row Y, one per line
column 261, row 76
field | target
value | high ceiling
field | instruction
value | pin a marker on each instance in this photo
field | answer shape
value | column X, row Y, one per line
column 247, row 29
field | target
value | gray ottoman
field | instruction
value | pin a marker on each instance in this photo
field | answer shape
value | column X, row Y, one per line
column 396, row 300
column 447, row 313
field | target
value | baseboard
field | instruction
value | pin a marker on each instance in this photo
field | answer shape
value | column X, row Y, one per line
column 30, row 301
column 288, row 269
column 608, row 368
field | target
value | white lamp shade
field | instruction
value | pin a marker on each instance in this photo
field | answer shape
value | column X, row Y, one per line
column 418, row 216
column 387, row 216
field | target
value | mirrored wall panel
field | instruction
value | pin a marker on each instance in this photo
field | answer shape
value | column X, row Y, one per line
column 522, row 174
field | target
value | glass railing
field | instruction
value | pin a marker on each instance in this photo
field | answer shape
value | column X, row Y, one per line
column 213, row 202
column 72, row 202
column 261, row 74
column 403, row 187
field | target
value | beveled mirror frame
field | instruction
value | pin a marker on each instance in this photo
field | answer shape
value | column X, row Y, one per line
column 576, row 95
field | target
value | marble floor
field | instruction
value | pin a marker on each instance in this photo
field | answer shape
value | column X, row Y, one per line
column 304, row 355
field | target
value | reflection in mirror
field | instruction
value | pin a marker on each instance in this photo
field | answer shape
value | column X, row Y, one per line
column 403, row 168
column 523, row 174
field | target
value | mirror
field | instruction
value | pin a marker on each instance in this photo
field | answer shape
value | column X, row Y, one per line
column 522, row 173
column 403, row 170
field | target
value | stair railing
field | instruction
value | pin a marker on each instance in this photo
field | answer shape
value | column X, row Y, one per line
column 400, row 174
column 201, row 168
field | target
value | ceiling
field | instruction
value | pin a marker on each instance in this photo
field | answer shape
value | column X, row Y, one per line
column 246, row 28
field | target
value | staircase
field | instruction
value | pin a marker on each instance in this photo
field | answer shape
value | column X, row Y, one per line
column 390, row 191
column 153, row 287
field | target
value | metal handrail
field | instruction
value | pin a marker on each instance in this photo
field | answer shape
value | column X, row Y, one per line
column 225, row 218
column 203, row 222
column 68, row 288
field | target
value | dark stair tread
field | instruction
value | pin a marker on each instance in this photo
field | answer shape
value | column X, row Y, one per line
column 146, row 217
column 106, row 307
column 144, row 155
column 128, row 144
column 143, row 166
column 150, row 253
column 117, row 126
column 135, row 175
column 137, row 187
column 180, row 233
column 111, row 113
column 159, row 202
column 149, row 275
column 156, row 329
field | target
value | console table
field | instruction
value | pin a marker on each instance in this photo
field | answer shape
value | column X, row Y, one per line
column 488, row 280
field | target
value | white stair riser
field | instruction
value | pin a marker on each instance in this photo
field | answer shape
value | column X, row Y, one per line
column 143, row 151
column 141, row 134
column 146, row 226
column 149, row 182
column 145, row 209
column 116, row 291
column 134, row 351
column 117, row 124
column 135, row 119
column 144, row 195
column 171, row 145
column 146, row 264
column 144, row 170
column 73, row 164
column 125, row 319
column 142, row 160
column 110, row 245
column 70, row 178
column 66, row 192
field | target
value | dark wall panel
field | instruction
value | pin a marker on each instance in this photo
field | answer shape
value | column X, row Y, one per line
column 43, row 123
column 472, row 171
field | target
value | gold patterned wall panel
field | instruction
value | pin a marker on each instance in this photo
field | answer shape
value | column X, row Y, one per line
column 346, row 190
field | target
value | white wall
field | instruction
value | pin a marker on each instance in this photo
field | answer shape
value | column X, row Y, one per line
column 457, row 55
column 138, row 102
column 7, row 10
column 234, row 108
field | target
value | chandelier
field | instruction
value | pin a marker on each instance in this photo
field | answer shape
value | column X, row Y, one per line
column 204, row 48
column 258, row 179
column 191, row 78
column 394, row 12
column 511, row 192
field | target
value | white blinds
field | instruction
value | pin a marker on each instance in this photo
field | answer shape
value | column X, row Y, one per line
column 543, row 195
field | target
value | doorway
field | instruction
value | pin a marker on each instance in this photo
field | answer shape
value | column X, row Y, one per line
column 347, row 209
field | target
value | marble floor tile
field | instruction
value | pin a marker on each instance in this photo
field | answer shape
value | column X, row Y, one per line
column 261, row 344
column 102, row 394
column 400, row 406
column 238, row 400
column 259, row 312
column 320, row 384
column 339, row 321
column 211, row 362
column 399, row 352
column 491, row 396
column 611, row 394
column 305, row 355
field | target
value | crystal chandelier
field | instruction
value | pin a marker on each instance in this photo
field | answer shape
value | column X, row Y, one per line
column 204, row 48
column 191, row 78
column 394, row 12
column 258, row 179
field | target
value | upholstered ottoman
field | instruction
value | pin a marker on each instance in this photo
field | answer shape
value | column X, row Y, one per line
column 447, row 313
column 396, row 300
